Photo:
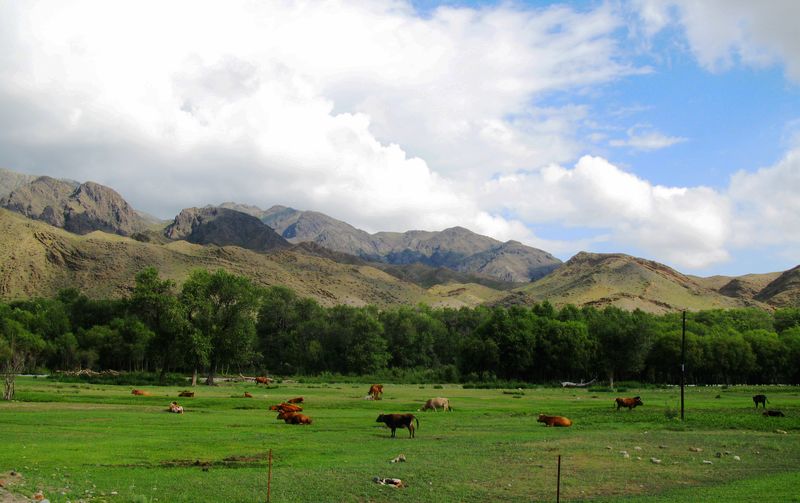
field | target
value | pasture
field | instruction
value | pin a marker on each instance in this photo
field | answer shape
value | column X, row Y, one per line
column 86, row 442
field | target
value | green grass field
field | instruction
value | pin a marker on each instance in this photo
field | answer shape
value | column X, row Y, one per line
column 83, row 442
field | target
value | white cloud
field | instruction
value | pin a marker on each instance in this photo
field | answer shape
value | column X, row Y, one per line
column 689, row 227
column 768, row 206
column 646, row 140
column 722, row 33
column 361, row 109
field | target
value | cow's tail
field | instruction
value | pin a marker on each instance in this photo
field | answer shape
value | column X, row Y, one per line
column 417, row 420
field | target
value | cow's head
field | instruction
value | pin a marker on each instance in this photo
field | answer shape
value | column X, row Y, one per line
column 380, row 418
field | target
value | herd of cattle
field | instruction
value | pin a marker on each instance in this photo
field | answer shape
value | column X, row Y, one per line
column 290, row 410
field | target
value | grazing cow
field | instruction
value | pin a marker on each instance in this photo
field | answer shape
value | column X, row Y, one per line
column 774, row 413
column 554, row 420
column 174, row 407
column 760, row 399
column 263, row 380
column 395, row 421
column 139, row 392
column 297, row 419
column 630, row 403
column 299, row 399
column 247, row 395
column 188, row 394
column 286, row 407
column 437, row 403
column 375, row 391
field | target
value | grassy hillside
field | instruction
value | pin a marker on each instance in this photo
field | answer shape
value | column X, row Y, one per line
column 37, row 260
column 626, row 282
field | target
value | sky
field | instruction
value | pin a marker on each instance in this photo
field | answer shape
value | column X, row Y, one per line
column 665, row 129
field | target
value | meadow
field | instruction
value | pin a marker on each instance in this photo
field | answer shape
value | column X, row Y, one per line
column 89, row 442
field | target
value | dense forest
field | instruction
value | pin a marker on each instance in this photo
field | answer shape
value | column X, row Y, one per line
column 222, row 323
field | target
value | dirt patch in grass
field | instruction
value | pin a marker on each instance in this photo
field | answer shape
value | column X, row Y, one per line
column 8, row 481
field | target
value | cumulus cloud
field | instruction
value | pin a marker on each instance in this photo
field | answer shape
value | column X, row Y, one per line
column 689, row 227
column 362, row 109
column 767, row 204
column 722, row 33
column 369, row 112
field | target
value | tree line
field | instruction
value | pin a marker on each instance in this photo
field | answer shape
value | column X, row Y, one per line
column 218, row 322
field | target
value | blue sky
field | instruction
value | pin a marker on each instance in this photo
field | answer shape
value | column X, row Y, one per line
column 664, row 129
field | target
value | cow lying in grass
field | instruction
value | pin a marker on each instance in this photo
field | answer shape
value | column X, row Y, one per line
column 294, row 418
column 774, row 413
column 188, row 394
column 139, row 392
column 554, row 420
column 286, row 407
column 299, row 399
column 630, row 403
column 395, row 421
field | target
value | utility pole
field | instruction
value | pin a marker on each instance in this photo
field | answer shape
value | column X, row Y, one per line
column 683, row 360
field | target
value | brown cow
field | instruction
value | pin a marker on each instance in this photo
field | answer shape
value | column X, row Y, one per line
column 299, row 399
column 139, row 392
column 554, row 420
column 437, row 403
column 630, row 403
column 375, row 391
column 247, row 395
column 188, row 394
column 287, row 407
column 395, row 421
column 297, row 419
column 774, row 413
column 263, row 380
column 762, row 399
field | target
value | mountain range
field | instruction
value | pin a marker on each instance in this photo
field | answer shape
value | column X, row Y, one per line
column 60, row 233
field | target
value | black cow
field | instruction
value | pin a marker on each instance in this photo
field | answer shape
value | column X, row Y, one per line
column 774, row 413
column 760, row 399
column 395, row 421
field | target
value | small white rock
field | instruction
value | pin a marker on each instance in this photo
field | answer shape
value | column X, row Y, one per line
column 737, row 458
column 707, row 462
column 655, row 461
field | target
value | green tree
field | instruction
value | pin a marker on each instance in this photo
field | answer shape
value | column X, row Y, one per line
column 18, row 347
column 623, row 338
column 221, row 309
column 155, row 302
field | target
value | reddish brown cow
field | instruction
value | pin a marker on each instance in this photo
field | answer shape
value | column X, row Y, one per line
column 263, row 380
column 299, row 399
column 286, row 407
column 297, row 419
column 247, row 395
column 188, row 394
column 630, row 403
column 554, row 420
column 375, row 391
column 139, row 392
column 395, row 421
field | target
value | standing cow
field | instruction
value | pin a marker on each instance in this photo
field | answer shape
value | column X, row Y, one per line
column 395, row 421
column 437, row 403
column 630, row 403
column 760, row 399
column 375, row 391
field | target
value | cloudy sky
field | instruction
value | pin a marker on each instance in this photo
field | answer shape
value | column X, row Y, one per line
column 663, row 129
